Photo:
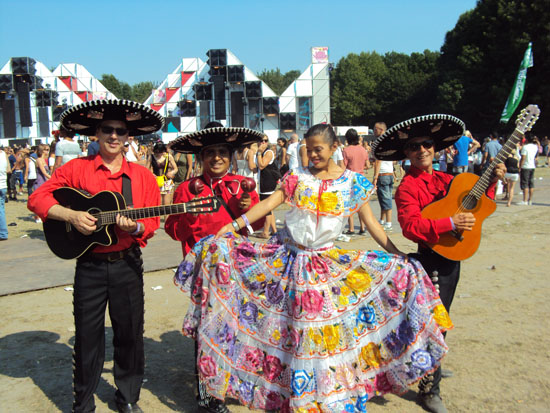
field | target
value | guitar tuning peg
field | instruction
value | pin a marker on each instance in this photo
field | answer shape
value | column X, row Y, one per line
column 435, row 273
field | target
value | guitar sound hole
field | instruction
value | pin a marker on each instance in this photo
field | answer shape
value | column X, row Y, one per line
column 469, row 202
column 99, row 224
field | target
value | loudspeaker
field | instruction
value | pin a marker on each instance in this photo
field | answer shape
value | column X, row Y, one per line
column 23, row 65
column 204, row 113
column 217, row 57
column 237, row 109
column 235, row 73
column 57, row 111
column 219, row 97
column 44, row 121
column 8, row 113
column 187, row 107
column 6, row 83
column 203, row 92
column 253, row 89
column 288, row 121
column 218, row 71
column 271, row 106
column 24, row 104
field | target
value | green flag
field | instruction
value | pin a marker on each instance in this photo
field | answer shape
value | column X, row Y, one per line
column 519, row 86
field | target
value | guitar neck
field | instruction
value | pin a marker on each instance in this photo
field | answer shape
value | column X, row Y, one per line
column 106, row 218
column 486, row 178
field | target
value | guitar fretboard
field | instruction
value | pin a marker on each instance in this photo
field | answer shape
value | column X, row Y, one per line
column 199, row 205
column 486, row 178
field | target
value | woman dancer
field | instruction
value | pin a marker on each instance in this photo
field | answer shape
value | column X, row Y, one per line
column 298, row 324
column 42, row 170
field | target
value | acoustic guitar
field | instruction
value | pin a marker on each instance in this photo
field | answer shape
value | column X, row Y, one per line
column 67, row 242
column 467, row 194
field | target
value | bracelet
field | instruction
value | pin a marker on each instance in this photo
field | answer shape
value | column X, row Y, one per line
column 137, row 229
column 245, row 220
column 235, row 225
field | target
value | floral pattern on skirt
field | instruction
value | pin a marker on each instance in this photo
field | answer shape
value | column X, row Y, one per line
column 282, row 327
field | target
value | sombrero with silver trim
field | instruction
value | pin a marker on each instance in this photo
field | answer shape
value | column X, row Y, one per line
column 443, row 129
column 197, row 141
column 84, row 118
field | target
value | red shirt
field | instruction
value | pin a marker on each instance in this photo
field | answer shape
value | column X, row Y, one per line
column 418, row 189
column 91, row 175
column 190, row 228
column 355, row 158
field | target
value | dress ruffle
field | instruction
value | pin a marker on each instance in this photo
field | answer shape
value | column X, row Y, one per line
column 283, row 327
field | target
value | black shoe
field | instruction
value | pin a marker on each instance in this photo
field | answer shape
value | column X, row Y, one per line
column 212, row 405
column 128, row 407
column 362, row 232
column 349, row 233
column 432, row 403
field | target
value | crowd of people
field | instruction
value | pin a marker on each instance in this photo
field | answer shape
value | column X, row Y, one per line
column 292, row 322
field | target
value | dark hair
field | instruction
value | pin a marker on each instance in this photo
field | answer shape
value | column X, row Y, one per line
column 285, row 142
column 214, row 124
column 159, row 147
column 322, row 129
column 352, row 137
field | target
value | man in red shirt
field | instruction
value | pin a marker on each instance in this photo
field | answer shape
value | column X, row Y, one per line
column 214, row 146
column 107, row 274
column 211, row 146
column 418, row 139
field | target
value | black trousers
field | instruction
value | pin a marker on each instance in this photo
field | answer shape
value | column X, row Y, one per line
column 448, row 273
column 119, row 284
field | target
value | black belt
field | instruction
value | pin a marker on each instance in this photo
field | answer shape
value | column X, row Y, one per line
column 112, row 256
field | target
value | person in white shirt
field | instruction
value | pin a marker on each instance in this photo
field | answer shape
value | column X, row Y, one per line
column 292, row 153
column 527, row 167
column 66, row 149
column 132, row 153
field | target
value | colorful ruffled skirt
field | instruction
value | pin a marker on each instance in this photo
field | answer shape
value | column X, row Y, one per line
column 283, row 327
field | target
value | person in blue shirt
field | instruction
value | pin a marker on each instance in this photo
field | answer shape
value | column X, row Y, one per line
column 464, row 147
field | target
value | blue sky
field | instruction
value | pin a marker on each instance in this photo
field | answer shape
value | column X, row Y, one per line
column 144, row 40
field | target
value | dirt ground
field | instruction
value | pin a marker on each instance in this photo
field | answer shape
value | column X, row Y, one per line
column 499, row 349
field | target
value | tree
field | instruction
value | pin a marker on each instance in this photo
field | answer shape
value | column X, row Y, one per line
column 481, row 56
column 277, row 81
column 121, row 90
column 142, row 90
column 355, row 95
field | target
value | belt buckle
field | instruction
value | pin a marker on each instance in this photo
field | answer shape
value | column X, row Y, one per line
column 112, row 258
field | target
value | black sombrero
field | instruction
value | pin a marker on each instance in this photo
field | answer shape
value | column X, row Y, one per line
column 197, row 141
column 84, row 118
column 443, row 129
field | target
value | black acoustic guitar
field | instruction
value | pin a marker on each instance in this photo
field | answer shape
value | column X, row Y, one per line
column 67, row 242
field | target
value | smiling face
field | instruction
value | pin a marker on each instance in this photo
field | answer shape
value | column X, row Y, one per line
column 319, row 151
column 216, row 160
column 110, row 142
column 420, row 156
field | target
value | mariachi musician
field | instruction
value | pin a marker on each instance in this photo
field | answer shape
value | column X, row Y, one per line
column 418, row 139
column 107, row 274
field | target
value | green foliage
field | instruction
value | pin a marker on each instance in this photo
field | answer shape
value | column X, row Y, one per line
column 122, row 90
column 481, row 56
column 277, row 81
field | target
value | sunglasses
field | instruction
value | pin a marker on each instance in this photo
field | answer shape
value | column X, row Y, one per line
column 108, row 130
column 265, row 140
column 415, row 146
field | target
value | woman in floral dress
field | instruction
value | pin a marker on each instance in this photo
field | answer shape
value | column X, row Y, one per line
column 298, row 324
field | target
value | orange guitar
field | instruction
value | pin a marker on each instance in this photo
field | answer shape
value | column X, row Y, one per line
column 467, row 194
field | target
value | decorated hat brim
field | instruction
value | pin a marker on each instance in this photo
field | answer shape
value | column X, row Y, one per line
column 443, row 129
column 85, row 118
column 234, row 137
